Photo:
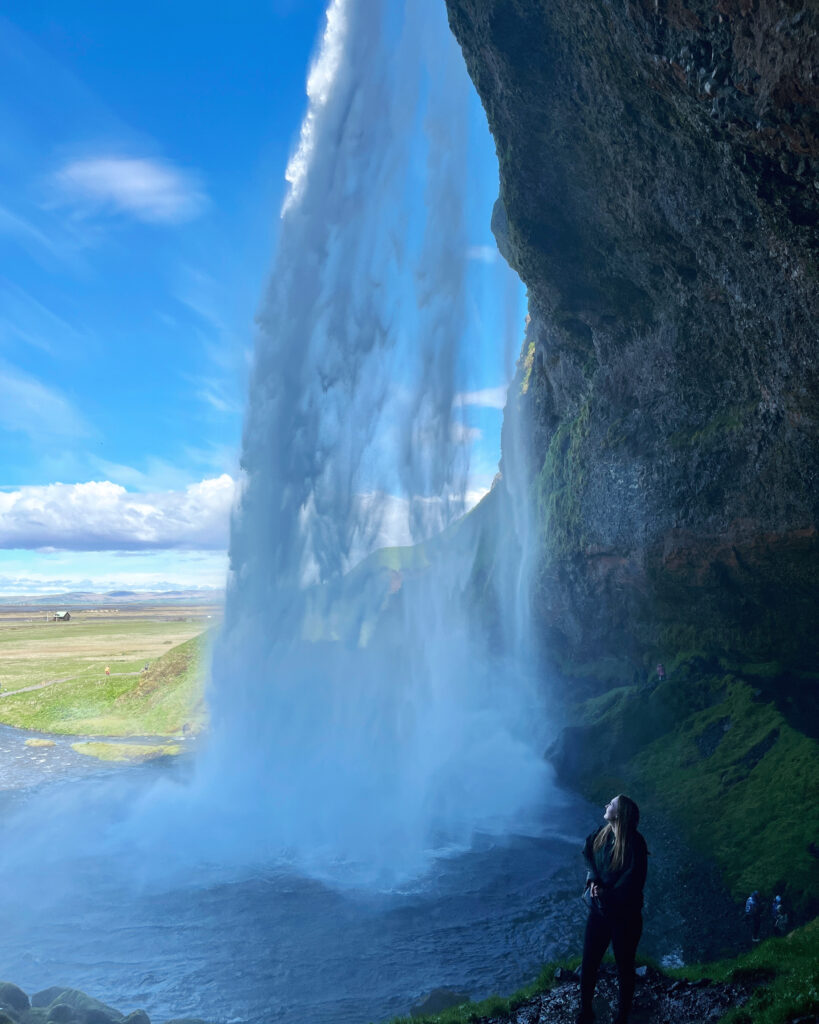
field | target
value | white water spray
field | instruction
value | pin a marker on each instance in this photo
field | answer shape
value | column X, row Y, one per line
column 359, row 724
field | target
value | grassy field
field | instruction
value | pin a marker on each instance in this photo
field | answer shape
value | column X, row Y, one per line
column 61, row 668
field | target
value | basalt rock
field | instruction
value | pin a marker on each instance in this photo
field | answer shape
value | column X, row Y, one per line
column 13, row 997
column 60, row 1005
column 657, row 1000
column 659, row 164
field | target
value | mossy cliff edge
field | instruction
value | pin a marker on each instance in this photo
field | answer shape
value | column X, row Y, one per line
column 658, row 170
column 658, row 164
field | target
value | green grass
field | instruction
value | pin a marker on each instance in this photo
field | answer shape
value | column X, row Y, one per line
column 793, row 963
column 493, row 1006
column 753, row 802
column 37, row 652
column 126, row 751
column 742, row 783
column 131, row 702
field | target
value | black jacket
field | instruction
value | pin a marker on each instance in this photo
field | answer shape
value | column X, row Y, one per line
column 620, row 890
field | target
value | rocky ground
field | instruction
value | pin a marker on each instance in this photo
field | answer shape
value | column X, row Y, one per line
column 58, row 1005
column 657, row 1000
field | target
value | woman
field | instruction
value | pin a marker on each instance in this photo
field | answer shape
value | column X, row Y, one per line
column 616, row 857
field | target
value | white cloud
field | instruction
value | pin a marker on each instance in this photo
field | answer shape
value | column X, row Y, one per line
column 149, row 190
column 103, row 516
column 26, row 319
column 209, row 394
column 482, row 253
column 217, row 394
column 17, row 227
column 30, row 407
column 157, row 474
column 485, row 398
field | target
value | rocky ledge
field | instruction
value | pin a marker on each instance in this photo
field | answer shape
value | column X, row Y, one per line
column 657, row 1000
column 60, row 1005
column 659, row 198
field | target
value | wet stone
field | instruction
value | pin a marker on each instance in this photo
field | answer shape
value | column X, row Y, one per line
column 658, row 1000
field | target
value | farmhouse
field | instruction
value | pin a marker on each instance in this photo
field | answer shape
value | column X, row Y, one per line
column 62, row 616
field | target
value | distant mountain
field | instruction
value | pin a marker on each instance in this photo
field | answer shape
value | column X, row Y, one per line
column 114, row 598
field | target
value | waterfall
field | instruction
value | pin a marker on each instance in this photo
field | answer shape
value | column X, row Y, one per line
column 370, row 710
column 359, row 721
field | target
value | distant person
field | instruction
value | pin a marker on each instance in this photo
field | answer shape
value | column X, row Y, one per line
column 753, row 914
column 660, row 672
column 779, row 916
column 617, row 859
column 107, row 671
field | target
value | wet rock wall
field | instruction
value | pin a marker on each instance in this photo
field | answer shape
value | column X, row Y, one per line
column 659, row 197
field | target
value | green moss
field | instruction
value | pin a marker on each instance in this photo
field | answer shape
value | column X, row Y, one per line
column 609, row 670
column 792, row 963
column 528, row 362
column 560, row 486
column 126, row 751
column 728, row 420
column 493, row 1006
column 608, row 705
column 743, row 782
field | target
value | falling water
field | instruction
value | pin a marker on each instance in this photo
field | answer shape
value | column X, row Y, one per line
column 359, row 720
column 374, row 722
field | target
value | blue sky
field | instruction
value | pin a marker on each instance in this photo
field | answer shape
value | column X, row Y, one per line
column 142, row 158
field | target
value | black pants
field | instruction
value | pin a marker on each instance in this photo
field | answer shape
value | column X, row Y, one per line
column 623, row 931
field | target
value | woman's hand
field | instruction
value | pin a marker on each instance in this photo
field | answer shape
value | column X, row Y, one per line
column 594, row 889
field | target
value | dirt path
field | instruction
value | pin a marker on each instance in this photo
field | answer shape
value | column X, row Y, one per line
column 53, row 682
column 38, row 686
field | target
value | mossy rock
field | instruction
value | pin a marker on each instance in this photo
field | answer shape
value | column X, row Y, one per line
column 187, row 1020
column 87, row 1009
column 95, row 1016
column 47, row 996
column 61, row 1013
column 709, row 747
column 437, row 1000
column 36, row 1015
column 13, row 997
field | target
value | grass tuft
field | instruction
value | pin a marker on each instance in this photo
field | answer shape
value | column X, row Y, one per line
column 126, row 751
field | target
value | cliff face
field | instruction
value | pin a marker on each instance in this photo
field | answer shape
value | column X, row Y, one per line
column 659, row 197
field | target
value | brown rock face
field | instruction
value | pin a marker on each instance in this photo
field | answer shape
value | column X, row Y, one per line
column 659, row 168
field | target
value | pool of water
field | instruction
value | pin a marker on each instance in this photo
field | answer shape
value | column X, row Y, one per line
column 269, row 944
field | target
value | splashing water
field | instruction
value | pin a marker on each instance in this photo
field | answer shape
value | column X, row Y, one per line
column 359, row 722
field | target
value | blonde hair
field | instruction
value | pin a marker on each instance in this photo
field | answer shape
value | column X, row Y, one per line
column 623, row 829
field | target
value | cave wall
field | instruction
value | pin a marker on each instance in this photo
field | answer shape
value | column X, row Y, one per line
column 659, row 197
